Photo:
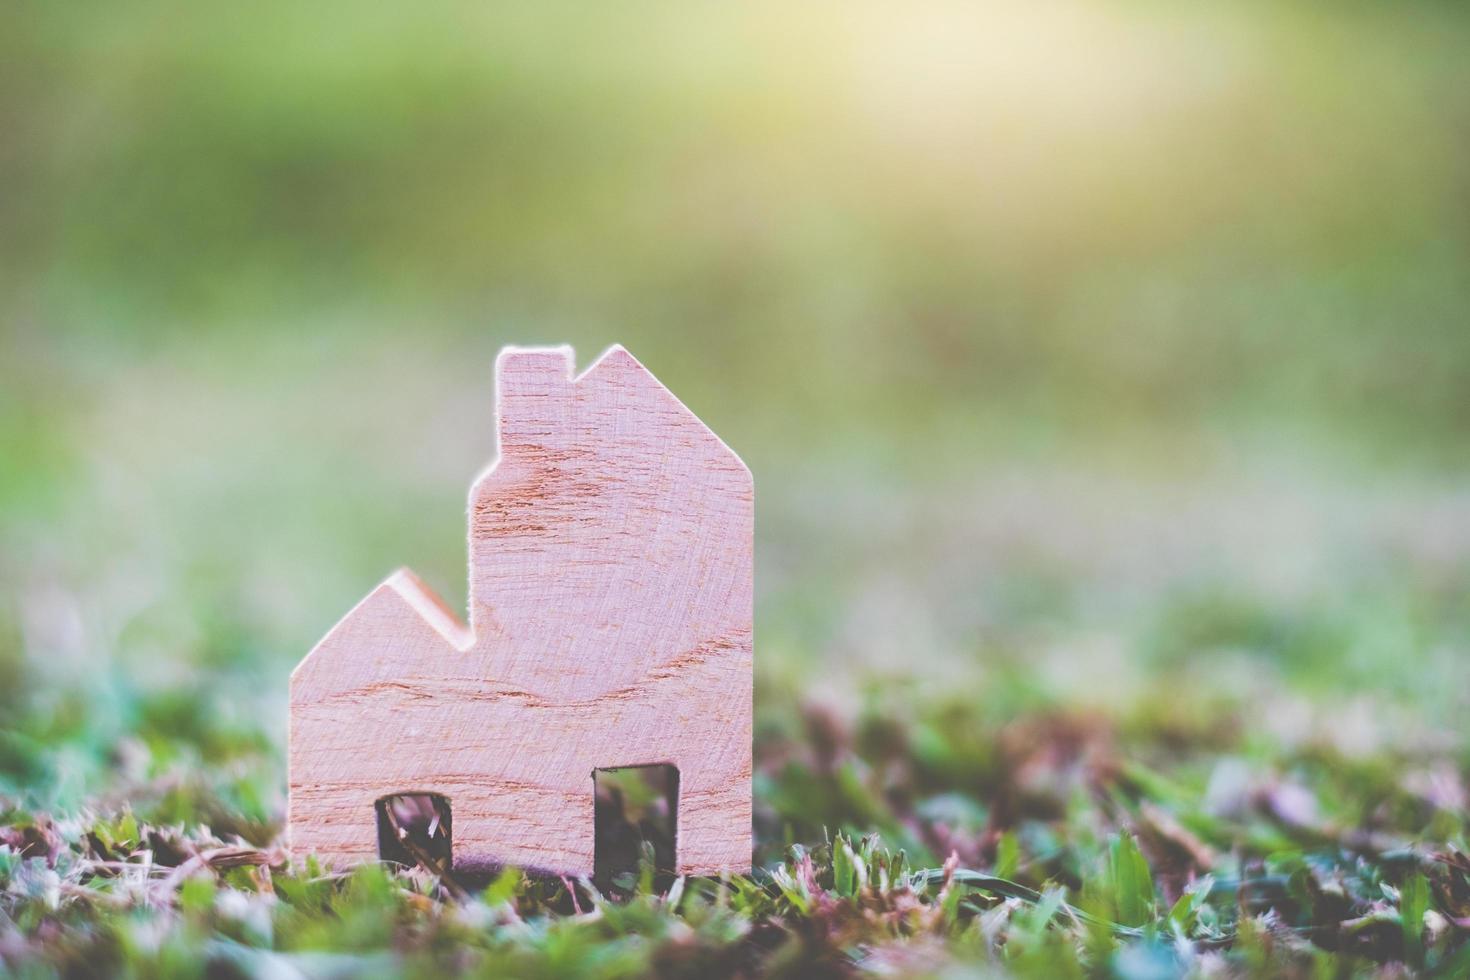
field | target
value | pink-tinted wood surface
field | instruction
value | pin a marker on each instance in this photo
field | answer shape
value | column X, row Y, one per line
column 611, row 548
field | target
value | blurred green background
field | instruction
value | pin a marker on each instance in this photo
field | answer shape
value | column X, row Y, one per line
column 1108, row 355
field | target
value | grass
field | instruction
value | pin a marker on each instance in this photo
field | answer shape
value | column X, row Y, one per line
column 1045, row 844
column 1235, row 812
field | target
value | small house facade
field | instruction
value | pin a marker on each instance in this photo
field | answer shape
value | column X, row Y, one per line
column 610, row 625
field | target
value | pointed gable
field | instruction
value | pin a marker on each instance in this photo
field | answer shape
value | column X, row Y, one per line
column 600, row 525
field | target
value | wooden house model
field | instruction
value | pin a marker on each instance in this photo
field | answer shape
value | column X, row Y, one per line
column 610, row 554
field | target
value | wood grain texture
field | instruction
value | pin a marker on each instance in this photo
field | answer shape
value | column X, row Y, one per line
column 611, row 562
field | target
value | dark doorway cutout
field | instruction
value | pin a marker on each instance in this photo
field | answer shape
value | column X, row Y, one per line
column 415, row 826
column 636, row 811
